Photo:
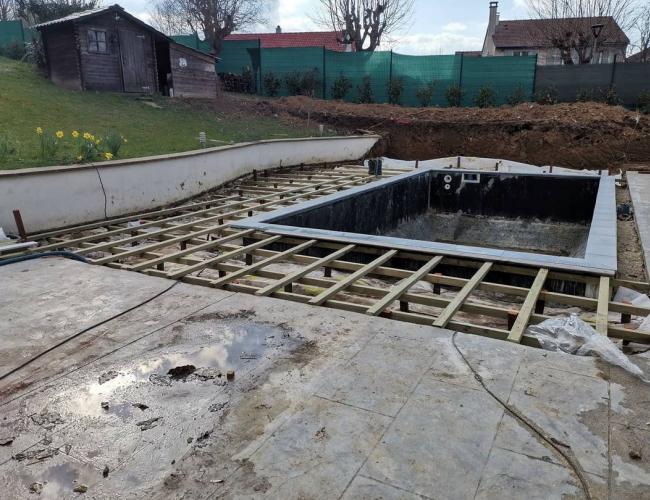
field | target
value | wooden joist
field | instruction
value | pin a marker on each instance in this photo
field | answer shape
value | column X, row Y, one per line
column 520, row 324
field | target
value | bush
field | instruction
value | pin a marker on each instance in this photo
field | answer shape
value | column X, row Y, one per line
column 365, row 91
column 342, row 85
column 13, row 50
column 7, row 147
column 454, row 95
column 584, row 95
column 644, row 101
column 546, row 96
column 610, row 96
column 271, row 84
column 395, row 89
column 486, row 97
column 293, row 81
column 309, row 82
column 424, row 95
column 248, row 82
column 518, row 96
column 113, row 142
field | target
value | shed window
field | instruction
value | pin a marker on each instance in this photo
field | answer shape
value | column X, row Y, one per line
column 97, row 41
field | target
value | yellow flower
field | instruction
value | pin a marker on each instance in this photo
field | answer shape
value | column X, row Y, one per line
column 109, row 156
column 39, row 130
column 60, row 134
column 75, row 134
column 98, row 142
column 92, row 137
column 87, row 135
column 80, row 157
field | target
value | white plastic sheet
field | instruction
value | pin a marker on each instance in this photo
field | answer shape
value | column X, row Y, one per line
column 574, row 336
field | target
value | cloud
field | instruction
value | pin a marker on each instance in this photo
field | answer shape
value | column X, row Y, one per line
column 454, row 27
column 435, row 44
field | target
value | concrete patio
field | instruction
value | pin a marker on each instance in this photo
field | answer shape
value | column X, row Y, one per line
column 323, row 404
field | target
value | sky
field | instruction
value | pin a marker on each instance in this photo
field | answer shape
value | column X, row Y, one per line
column 436, row 27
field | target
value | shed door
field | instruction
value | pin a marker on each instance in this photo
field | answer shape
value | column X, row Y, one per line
column 135, row 48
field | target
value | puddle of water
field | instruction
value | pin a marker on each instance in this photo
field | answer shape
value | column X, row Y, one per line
column 228, row 346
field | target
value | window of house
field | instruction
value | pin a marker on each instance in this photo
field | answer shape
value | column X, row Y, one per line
column 97, row 41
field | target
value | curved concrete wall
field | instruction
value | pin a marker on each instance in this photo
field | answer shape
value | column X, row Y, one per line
column 60, row 196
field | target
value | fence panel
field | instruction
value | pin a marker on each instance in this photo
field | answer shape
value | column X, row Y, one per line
column 504, row 74
column 570, row 80
column 295, row 60
column 193, row 41
column 235, row 56
column 630, row 79
column 11, row 32
column 417, row 72
column 355, row 66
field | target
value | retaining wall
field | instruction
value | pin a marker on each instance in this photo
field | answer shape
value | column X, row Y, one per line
column 61, row 196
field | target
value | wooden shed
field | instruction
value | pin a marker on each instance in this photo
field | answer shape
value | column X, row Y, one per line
column 109, row 49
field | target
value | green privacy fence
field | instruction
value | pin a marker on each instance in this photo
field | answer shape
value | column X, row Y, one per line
column 193, row 41
column 12, row 32
column 504, row 75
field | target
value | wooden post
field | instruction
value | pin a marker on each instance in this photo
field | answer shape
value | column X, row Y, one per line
column 19, row 225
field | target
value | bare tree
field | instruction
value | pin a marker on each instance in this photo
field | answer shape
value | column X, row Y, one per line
column 6, row 9
column 365, row 22
column 569, row 26
column 642, row 30
column 215, row 19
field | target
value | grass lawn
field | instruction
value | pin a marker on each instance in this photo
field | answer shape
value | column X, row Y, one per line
column 28, row 101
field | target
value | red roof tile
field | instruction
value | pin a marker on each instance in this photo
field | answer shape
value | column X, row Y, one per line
column 327, row 39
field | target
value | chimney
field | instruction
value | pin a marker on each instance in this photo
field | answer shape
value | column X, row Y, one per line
column 494, row 15
column 278, row 29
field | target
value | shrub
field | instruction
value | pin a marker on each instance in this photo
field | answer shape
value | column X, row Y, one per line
column 454, row 95
column 309, row 82
column 7, row 147
column 271, row 84
column 247, row 80
column 644, row 101
column 486, row 97
column 584, row 95
column 113, row 142
column 610, row 96
column 342, row 85
column 13, row 50
column 365, row 91
column 518, row 96
column 395, row 89
column 293, row 81
column 546, row 96
column 424, row 95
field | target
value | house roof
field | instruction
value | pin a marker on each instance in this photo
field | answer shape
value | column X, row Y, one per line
column 86, row 14
column 531, row 32
column 641, row 56
column 327, row 39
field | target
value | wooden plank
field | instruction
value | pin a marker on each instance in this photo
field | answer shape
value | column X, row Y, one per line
column 453, row 307
column 222, row 257
column 400, row 288
column 528, row 307
column 603, row 305
column 360, row 273
column 290, row 278
column 259, row 265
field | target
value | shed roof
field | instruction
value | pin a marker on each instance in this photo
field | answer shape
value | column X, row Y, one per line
column 328, row 39
column 531, row 32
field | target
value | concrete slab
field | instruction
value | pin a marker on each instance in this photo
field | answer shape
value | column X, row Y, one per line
column 324, row 404
column 639, row 185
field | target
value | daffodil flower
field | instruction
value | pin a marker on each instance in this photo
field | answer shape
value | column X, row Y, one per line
column 87, row 135
column 108, row 156
column 60, row 134
column 39, row 130
column 75, row 134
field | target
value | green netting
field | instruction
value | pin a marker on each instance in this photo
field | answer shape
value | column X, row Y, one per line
column 503, row 74
column 10, row 32
column 193, row 41
column 294, row 61
column 419, row 72
column 235, row 56
column 355, row 66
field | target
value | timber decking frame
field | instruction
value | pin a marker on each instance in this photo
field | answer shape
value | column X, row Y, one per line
column 173, row 242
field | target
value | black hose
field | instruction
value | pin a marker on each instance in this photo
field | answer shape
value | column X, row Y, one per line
column 68, row 255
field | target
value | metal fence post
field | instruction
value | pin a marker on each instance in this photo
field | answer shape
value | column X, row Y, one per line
column 260, row 90
column 535, row 76
column 390, row 74
column 611, row 81
column 324, row 76
column 460, row 78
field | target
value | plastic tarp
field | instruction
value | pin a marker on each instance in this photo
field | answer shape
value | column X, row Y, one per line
column 573, row 336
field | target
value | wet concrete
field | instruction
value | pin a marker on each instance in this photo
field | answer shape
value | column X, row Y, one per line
column 323, row 404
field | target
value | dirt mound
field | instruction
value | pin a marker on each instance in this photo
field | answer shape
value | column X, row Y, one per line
column 580, row 135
